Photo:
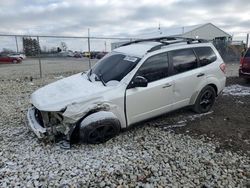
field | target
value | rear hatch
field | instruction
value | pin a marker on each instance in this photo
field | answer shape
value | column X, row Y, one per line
column 246, row 62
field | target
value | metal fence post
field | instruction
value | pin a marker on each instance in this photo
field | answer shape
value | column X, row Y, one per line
column 39, row 57
column 89, row 49
column 247, row 41
column 16, row 44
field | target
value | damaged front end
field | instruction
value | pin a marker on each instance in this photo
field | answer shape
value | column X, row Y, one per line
column 48, row 124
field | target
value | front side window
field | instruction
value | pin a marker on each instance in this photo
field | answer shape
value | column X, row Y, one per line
column 154, row 68
column 183, row 60
column 206, row 55
column 114, row 67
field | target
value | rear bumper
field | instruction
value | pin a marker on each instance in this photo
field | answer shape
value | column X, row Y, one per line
column 33, row 124
column 244, row 74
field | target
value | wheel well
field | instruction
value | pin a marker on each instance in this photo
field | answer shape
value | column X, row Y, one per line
column 215, row 88
column 75, row 134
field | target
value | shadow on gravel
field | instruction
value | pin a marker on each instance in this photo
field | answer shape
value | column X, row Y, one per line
column 228, row 122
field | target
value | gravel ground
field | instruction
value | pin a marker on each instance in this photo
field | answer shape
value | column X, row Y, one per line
column 147, row 155
column 227, row 123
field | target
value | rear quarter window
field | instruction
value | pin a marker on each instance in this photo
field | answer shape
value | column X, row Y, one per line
column 247, row 53
column 206, row 55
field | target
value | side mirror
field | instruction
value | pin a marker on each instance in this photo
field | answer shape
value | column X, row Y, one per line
column 139, row 81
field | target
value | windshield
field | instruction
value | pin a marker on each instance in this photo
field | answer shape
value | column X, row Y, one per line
column 114, row 67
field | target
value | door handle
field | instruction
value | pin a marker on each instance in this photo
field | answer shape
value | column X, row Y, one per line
column 200, row 74
column 166, row 85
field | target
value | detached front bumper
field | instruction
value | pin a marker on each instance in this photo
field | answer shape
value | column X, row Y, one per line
column 33, row 124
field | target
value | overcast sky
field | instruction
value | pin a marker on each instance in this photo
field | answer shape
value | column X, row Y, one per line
column 119, row 18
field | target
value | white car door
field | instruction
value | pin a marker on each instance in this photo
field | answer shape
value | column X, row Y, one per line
column 188, row 77
column 155, row 99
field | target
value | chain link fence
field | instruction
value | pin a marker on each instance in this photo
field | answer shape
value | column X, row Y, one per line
column 44, row 56
column 50, row 55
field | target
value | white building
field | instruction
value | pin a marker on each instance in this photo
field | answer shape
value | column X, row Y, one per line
column 206, row 31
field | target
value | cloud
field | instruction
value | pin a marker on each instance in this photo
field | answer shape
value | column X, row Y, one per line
column 119, row 18
column 107, row 17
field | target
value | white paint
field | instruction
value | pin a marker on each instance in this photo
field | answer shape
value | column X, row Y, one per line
column 71, row 90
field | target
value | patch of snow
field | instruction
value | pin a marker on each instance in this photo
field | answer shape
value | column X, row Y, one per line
column 59, row 77
column 240, row 102
column 193, row 117
column 175, row 126
column 236, row 90
column 183, row 122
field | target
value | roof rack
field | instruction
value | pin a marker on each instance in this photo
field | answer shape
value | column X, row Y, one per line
column 166, row 41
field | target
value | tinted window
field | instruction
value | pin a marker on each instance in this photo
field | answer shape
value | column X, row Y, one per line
column 155, row 67
column 248, row 53
column 206, row 55
column 114, row 66
column 183, row 60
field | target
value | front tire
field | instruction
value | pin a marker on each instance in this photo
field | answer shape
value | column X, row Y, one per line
column 99, row 131
column 205, row 100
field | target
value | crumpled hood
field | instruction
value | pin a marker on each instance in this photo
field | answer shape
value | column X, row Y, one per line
column 74, row 89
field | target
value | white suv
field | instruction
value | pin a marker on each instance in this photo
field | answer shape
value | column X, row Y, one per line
column 140, row 80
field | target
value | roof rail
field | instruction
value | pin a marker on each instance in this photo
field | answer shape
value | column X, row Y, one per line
column 166, row 41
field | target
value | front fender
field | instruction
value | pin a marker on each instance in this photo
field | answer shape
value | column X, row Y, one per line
column 75, row 112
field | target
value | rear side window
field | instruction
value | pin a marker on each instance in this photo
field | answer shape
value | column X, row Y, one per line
column 183, row 60
column 247, row 53
column 206, row 55
column 155, row 67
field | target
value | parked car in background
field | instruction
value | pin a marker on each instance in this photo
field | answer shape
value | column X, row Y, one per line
column 78, row 55
column 94, row 54
column 21, row 56
column 244, row 70
column 66, row 54
column 135, row 82
column 8, row 59
column 101, row 55
column 86, row 54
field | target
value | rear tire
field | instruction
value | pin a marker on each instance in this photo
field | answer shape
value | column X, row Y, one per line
column 247, row 80
column 205, row 100
column 99, row 131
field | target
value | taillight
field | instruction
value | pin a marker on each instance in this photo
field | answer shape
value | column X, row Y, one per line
column 241, row 61
column 223, row 67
